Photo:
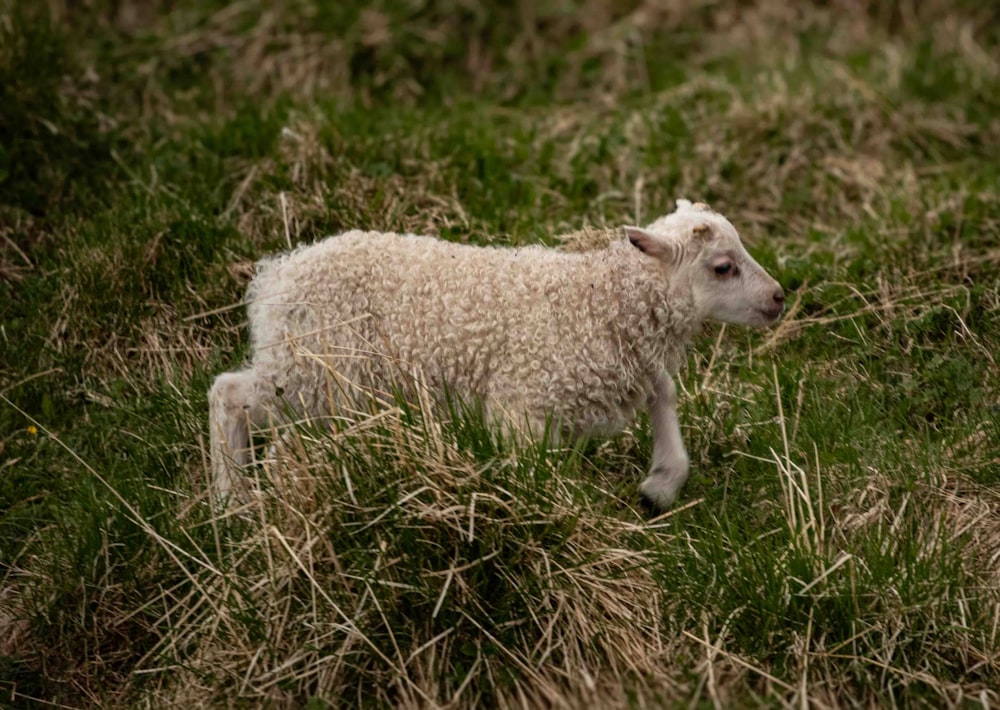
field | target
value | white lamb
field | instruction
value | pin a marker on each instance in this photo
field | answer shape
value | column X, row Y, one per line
column 577, row 340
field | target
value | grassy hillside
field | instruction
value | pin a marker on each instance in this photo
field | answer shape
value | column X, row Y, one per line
column 839, row 542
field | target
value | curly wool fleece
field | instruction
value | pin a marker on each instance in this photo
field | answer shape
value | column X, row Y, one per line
column 532, row 332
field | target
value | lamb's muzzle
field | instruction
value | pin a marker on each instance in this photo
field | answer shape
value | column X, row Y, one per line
column 538, row 335
column 775, row 311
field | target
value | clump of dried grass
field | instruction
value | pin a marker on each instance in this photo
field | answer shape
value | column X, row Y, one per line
column 395, row 566
column 588, row 239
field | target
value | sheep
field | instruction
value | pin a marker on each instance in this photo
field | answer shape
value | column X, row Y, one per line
column 575, row 341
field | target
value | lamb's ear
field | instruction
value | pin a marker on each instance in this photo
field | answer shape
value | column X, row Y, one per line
column 649, row 243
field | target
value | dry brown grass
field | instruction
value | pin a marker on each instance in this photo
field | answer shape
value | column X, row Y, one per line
column 588, row 629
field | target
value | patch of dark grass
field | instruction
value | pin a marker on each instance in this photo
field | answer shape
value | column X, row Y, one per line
column 50, row 115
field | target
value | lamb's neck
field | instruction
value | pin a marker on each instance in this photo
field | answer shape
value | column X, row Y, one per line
column 657, row 315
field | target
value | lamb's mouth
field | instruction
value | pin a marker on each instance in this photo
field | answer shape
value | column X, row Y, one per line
column 771, row 314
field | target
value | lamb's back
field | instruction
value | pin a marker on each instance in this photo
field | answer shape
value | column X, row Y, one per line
column 449, row 309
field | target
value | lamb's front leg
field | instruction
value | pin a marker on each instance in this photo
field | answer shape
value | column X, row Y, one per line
column 669, row 468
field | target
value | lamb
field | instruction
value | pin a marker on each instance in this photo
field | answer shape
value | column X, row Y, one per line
column 540, row 337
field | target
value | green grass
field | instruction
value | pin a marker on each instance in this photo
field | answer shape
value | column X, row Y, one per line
column 838, row 541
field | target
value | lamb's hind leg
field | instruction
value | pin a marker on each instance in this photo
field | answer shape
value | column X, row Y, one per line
column 233, row 403
column 669, row 468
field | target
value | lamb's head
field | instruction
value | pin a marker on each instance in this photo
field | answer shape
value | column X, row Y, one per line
column 702, row 251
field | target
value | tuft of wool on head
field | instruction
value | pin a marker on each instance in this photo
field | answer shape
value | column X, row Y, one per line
column 686, row 205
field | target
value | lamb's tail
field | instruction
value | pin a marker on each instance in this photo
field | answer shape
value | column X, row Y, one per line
column 231, row 404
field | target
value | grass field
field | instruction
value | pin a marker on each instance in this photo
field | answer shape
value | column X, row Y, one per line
column 838, row 544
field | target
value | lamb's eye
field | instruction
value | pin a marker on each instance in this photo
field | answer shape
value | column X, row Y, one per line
column 723, row 269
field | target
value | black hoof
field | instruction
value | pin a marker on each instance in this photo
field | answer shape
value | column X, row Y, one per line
column 648, row 506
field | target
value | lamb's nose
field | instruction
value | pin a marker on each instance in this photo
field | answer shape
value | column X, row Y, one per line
column 779, row 296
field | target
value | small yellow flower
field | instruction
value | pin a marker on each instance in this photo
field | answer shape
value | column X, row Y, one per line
column 32, row 429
